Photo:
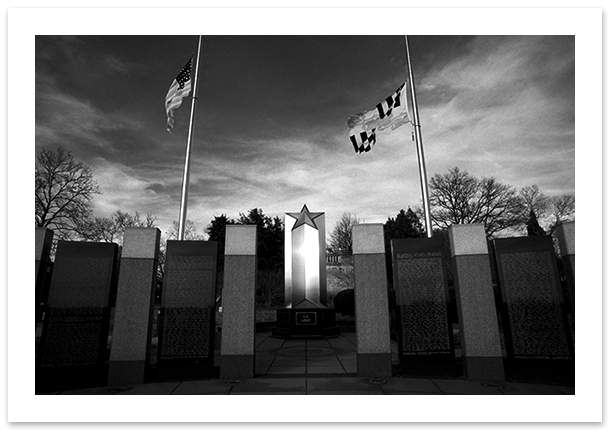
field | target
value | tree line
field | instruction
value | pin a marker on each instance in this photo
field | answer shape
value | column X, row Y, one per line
column 65, row 188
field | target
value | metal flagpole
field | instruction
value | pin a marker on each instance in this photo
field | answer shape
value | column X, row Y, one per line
column 419, row 144
column 187, row 159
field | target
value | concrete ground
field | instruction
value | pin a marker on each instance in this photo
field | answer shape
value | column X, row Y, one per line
column 321, row 366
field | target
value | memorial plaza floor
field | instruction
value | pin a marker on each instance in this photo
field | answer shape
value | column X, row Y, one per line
column 321, row 366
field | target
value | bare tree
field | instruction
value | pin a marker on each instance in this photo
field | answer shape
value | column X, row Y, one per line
column 534, row 200
column 562, row 210
column 341, row 236
column 111, row 229
column 550, row 211
column 64, row 189
column 190, row 231
column 459, row 198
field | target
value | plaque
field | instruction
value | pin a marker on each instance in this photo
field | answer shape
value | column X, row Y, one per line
column 187, row 318
column 306, row 318
column 74, row 338
column 425, row 340
column 538, row 343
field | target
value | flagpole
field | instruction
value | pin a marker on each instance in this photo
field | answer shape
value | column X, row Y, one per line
column 187, row 158
column 419, row 144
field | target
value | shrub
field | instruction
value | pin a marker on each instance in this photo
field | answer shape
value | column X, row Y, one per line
column 344, row 302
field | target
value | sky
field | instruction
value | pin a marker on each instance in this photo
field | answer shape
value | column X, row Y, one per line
column 271, row 119
column 272, row 133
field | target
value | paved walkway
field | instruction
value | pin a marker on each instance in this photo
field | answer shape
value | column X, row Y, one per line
column 320, row 366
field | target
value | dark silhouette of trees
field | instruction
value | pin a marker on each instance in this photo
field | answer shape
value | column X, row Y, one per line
column 111, row 229
column 459, row 198
column 406, row 224
column 533, row 227
column 548, row 211
column 269, row 249
column 269, row 238
column 64, row 189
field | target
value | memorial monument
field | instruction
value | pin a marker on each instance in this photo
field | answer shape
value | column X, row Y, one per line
column 305, row 313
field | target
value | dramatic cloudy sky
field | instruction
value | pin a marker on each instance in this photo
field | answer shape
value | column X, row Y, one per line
column 271, row 127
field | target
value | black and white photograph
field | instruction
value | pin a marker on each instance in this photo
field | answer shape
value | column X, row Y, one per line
column 254, row 206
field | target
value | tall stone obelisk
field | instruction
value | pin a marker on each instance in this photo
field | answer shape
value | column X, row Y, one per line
column 305, row 259
column 305, row 312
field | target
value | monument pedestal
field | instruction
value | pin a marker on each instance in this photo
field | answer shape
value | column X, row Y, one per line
column 303, row 323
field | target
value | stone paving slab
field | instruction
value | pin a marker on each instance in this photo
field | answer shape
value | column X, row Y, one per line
column 324, row 370
column 344, row 393
column 410, row 386
column 286, row 371
column 515, row 388
column 162, row 388
column 565, row 390
column 264, row 393
column 215, row 386
column 337, row 385
column 271, row 386
column 99, row 391
column 461, row 386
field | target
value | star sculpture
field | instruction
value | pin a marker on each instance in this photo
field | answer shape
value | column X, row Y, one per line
column 304, row 217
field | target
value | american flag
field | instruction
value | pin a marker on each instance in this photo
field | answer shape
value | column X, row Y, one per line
column 180, row 88
column 389, row 114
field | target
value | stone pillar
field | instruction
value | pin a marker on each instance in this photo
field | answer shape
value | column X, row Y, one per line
column 238, row 303
column 480, row 338
column 374, row 357
column 44, row 239
column 134, row 306
column 566, row 235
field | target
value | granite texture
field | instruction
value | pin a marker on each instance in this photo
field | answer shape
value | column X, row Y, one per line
column 237, row 366
column 139, row 242
column 479, row 332
column 42, row 247
column 374, row 365
column 566, row 235
column 240, row 240
column 476, row 306
column 72, row 349
column 83, row 274
column 484, row 368
column 133, row 311
column 480, row 338
column 44, row 239
column 129, row 372
column 238, row 305
column 368, row 239
column 371, row 296
column 539, row 344
column 186, row 323
column 467, row 239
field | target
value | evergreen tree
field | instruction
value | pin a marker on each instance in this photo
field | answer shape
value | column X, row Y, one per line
column 533, row 228
column 406, row 224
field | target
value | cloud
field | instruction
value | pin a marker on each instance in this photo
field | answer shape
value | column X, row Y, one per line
column 62, row 119
column 502, row 119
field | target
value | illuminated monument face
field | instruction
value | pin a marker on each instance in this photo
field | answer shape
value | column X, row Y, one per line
column 305, row 259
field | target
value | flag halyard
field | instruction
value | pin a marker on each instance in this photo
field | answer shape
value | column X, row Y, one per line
column 178, row 90
column 389, row 114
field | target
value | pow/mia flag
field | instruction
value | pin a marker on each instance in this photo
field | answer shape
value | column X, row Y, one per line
column 389, row 114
